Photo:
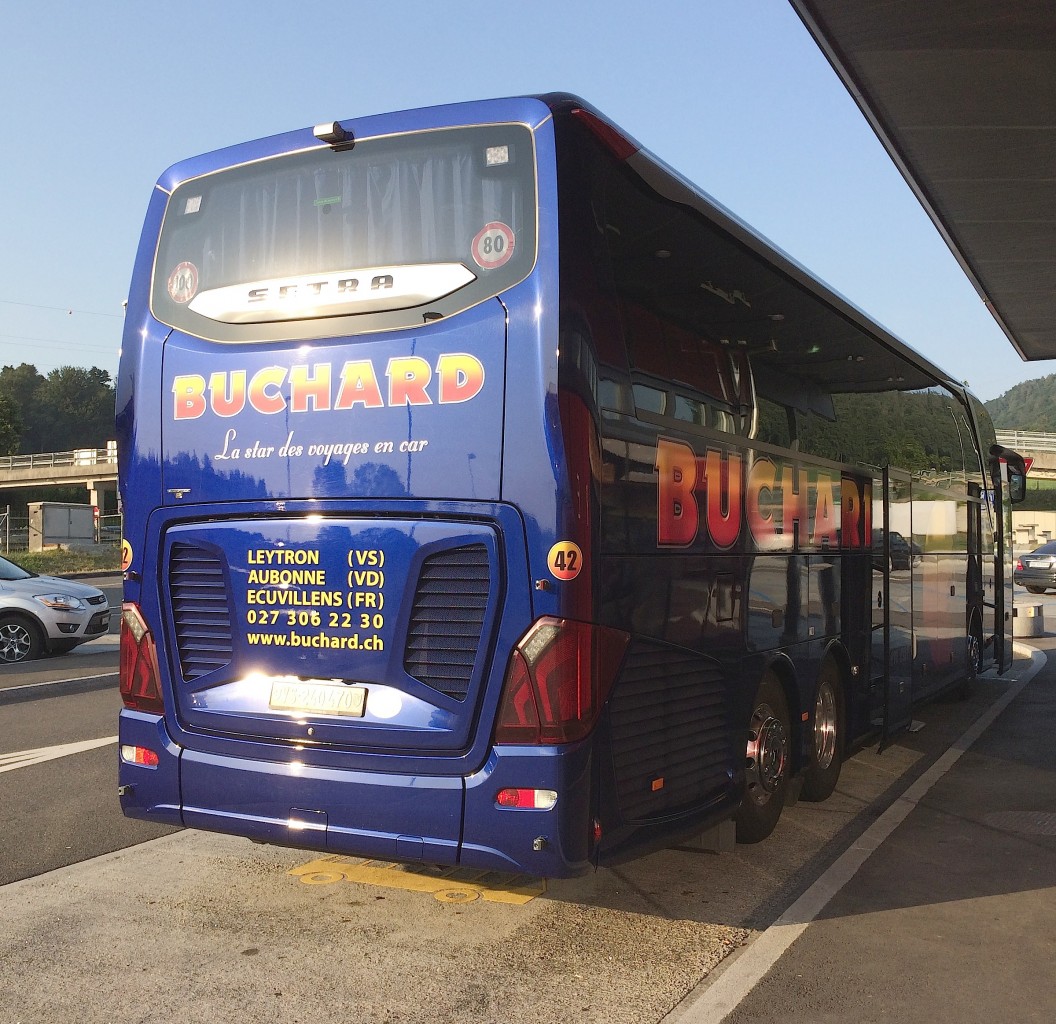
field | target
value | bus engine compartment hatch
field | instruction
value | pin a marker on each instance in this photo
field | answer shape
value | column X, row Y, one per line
column 363, row 634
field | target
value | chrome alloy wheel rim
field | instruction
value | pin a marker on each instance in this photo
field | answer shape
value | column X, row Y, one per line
column 825, row 726
column 767, row 755
column 14, row 642
column 975, row 655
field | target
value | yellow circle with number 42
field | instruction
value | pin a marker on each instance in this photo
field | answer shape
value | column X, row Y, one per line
column 565, row 560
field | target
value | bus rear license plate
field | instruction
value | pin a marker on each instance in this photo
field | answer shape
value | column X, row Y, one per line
column 323, row 698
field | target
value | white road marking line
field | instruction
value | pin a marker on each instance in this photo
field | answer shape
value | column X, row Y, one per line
column 25, row 758
column 723, row 996
column 43, row 684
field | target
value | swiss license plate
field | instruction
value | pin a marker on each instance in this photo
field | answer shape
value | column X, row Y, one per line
column 321, row 697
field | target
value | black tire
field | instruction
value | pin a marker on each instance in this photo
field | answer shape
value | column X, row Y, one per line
column 826, row 752
column 768, row 763
column 20, row 640
column 1036, row 590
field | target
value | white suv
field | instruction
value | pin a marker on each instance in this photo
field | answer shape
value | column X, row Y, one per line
column 46, row 613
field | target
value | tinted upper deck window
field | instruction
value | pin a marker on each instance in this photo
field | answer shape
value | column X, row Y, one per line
column 383, row 235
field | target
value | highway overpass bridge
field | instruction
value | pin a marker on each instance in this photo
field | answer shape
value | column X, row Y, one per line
column 92, row 468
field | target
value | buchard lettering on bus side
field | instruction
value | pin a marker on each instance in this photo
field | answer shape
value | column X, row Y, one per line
column 783, row 505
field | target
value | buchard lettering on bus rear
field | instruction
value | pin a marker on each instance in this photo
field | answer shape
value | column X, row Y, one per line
column 306, row 387
column 399, row 415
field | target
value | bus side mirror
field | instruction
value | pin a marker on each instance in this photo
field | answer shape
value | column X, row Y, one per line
column 1016, row 471
column 1017, row 485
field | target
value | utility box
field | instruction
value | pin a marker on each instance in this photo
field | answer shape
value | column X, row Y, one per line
column 56, row 524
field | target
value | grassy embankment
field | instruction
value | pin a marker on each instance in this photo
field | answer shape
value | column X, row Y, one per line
column 57, row 562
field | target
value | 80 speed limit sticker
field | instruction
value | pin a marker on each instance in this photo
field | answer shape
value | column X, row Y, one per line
column 493, row 245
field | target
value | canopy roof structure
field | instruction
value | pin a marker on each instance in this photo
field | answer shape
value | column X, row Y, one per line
column 962, row 93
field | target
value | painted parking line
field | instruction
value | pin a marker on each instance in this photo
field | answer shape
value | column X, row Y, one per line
column 449, row 885
column 25, row 758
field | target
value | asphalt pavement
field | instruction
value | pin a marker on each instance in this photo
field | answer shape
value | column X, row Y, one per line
column 940, row 906
column 944, row 910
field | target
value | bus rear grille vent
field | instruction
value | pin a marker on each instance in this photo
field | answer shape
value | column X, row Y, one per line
column 668, row 724
column 448, row 618
column 198, row 593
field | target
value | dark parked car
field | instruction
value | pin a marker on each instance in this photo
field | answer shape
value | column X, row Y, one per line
column 1037, row 571
column 904, row 553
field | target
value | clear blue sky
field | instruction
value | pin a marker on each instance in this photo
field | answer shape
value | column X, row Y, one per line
column 100, row 98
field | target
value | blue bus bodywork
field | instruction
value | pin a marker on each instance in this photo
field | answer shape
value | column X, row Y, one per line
column 455, row 581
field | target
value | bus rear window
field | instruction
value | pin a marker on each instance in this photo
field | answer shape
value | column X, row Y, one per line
column 389, row 233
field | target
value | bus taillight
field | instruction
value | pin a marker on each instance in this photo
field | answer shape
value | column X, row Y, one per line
column 140, row 680
column 143, row 756
column 559, row 677
column 527, row 799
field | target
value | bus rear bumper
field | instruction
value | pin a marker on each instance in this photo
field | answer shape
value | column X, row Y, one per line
column 148, row 791
column 445, row 820
column 550, row 843
column 367, row 814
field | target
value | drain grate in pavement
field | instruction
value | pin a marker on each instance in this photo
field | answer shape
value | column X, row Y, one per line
column 1028, row 823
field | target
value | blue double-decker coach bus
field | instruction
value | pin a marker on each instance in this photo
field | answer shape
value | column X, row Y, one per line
column 494, row 497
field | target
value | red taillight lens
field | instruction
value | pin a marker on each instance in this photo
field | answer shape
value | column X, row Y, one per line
column 526, row 799
column 140, row 680
column 519, row 712
column 559, row 677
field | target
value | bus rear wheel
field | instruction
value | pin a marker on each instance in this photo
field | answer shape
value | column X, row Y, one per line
column 767, row 764
column 826, row 753
column 973, row 659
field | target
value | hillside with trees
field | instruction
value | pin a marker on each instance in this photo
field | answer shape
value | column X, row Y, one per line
column 1028, row 406
column 70, row 407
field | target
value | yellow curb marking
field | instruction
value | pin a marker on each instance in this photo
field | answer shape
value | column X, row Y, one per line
column 448, row 885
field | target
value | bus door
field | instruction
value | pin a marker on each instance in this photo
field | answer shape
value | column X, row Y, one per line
column 892, row 600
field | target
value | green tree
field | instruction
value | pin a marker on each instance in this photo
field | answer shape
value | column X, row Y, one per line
column 20, row 385
column 80, row 405
column 10, row 426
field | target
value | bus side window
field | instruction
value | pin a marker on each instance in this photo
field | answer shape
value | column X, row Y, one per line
column 774, row 423
column 649, row 399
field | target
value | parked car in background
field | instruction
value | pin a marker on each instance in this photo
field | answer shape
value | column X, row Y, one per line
column 1037, row 571
column 46, row 614
column 904, row 553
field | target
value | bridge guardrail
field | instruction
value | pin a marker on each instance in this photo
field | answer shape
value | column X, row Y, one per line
column 1027, row 440
column 81, row 457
